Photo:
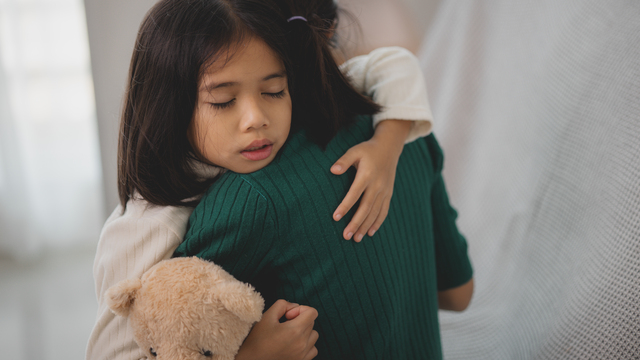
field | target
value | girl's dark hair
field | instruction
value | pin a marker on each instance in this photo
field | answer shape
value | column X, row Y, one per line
column 177, row 41
column 323, row 99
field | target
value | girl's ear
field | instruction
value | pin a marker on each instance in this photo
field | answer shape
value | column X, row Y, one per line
column 120, row 297
column 240, row 299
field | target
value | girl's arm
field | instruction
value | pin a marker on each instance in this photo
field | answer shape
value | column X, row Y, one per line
column 293, row 339
column 393, row 78
column 130, row 244
column 376, row 161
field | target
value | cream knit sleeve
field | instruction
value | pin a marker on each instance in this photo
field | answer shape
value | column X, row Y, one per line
column 393, row 78
column 129, row 245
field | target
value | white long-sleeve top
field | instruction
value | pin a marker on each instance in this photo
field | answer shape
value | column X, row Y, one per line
column 134, row 241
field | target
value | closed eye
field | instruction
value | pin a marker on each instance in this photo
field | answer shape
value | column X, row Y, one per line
column 278, row 95
column 223, row 105
column 153, row 352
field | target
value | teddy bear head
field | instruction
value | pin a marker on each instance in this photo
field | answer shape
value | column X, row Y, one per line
column 187, row 309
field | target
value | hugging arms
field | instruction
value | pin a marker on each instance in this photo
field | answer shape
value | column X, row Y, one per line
column 136, row 238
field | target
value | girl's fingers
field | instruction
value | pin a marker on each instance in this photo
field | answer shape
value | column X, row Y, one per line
column 312, row 352
column 350, row 158
column 371, row 218
column 293, row 313
column 279, row 309
column 381, row 217
column 356, row 190
column 313, row 338
column 310, row 335
column 361, row 214
column 306, row 316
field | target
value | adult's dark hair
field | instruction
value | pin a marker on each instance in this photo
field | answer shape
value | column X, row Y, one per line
column 177, row 41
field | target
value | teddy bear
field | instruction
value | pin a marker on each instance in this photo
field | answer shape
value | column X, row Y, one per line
column 187, row 308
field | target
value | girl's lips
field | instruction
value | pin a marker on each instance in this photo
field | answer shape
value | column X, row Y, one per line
column 258, row 154
column 257, row 144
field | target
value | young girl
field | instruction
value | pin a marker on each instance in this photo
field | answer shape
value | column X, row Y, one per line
column 264, row 224
column 161, row 175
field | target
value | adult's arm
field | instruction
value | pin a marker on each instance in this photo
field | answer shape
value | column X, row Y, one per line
column 456, row 299
column 453, row 267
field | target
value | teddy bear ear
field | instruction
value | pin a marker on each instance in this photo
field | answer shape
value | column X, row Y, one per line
column 120, row 296
column 241, row 300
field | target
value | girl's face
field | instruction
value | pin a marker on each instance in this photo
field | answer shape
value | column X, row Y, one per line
column 243, row 113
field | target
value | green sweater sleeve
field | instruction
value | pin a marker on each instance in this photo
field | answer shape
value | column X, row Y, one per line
column 233, row 227
column 453, row 267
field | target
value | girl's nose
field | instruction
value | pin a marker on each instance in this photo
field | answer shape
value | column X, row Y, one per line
column 254, row 117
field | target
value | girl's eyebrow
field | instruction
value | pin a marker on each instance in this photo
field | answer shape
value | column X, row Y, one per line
column 280, row 74
column 212, row 86
column 208, row 87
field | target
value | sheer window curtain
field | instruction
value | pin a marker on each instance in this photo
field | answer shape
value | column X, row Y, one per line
column 50, row 179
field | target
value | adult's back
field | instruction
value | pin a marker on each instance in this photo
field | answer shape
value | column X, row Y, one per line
column 377, row 299
column 537, row 106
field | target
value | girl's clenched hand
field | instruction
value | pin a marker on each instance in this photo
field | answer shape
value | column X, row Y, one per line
column 293, row 339
column 376, row 161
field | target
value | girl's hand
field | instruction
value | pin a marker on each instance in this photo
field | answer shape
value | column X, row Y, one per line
column 376, row 161
column 293, row 339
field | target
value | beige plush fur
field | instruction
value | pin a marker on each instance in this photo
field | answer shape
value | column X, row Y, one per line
column 187, row 308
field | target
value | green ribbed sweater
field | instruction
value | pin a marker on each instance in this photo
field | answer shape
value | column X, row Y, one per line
column 376, row 299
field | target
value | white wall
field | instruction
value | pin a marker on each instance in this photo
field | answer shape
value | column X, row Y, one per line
column 389, row 22
column 422, row 13
column 112, row 27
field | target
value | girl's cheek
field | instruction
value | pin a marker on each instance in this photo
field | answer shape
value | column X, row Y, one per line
column 288, row 109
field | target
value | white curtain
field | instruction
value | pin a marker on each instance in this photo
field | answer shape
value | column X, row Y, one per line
column 50, row 181
column 537, row 108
